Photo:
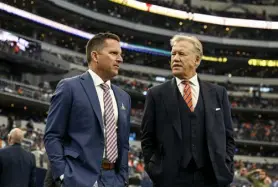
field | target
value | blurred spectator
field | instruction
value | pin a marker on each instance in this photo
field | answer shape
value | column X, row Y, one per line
column 275, row 182
column 17, row 166
column 259, row 178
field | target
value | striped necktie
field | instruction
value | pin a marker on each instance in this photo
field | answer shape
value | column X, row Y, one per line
column 110, row 125
column 187, row 95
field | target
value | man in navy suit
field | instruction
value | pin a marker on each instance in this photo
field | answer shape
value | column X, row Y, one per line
column 187, row 135
column 87, row 129
column 17, row 166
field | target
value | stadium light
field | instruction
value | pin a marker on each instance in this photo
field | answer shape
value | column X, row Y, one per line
column 86, row 35
column 204, row 18
column 44, row 21
column 263, row 63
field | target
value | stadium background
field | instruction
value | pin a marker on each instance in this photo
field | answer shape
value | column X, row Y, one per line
column 43, row 41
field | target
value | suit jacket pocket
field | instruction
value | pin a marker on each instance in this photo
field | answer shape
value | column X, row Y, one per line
column 74, row 155
column 155, row 167
column 219, row 115
column 71, row 153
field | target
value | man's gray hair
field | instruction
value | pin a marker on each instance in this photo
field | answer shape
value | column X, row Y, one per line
column 196, row 43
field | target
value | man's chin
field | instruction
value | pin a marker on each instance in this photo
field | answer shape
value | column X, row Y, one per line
column 115, row 73
column 176, row 73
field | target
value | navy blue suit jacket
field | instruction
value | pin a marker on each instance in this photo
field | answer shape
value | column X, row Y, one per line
column 17, row 167
column 74, row 138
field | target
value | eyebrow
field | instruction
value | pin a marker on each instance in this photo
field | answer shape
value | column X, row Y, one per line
column 179, row 51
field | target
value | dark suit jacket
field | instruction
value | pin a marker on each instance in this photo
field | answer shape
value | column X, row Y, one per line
column 74, row 137
column 162, row 138
column 17, row 167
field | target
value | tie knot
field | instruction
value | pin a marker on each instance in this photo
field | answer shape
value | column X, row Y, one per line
column 185, row 82
column 105, row 87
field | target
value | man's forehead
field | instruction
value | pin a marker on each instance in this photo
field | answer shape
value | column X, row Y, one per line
column 182, row 45
column 179, row 48
column 111, row 42
column 112, row 47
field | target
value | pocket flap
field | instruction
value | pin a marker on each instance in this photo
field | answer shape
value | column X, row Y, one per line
column 71, row 153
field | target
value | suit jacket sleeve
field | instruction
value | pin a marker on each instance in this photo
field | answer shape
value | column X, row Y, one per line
column 230, row 142
column 32, row 182
column 124, row 161
column 148, row 128
column 56, row 126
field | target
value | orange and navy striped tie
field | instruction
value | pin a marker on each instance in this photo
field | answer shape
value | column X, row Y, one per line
column 187, row 96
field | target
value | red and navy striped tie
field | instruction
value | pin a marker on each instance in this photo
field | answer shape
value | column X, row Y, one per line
column 110, row 125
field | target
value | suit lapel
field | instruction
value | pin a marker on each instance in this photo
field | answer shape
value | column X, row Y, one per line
column 121, row 112
column 209, row 97
column 88, row 85
column 120, row 105
column 170, row 98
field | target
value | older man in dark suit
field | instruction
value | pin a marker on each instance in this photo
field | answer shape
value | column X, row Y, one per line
column 17, row 166
column 187, row 135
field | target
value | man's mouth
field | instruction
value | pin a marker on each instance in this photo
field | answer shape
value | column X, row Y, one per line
column 176, row 65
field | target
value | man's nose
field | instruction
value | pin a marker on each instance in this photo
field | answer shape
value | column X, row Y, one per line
column 175, row 58
column 119, row 59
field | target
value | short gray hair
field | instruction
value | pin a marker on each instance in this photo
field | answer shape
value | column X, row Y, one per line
column 196, row 43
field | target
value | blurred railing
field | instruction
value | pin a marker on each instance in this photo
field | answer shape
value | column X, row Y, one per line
column 24, row 90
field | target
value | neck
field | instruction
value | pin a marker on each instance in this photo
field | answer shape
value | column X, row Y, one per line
column 13, row 143
column 188, row 76
column 99, row 73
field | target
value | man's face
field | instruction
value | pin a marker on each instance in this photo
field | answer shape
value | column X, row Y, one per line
column 243, row 171
column 109, row 59
column 262, row 175
column 184, row 59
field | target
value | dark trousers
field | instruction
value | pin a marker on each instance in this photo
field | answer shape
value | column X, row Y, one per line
column 191, row 176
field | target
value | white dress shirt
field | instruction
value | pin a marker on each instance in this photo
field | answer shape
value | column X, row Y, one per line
column 98, row 81
column 195, row 88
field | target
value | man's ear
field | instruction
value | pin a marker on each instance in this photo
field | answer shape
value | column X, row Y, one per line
column 9, row 138
column 94, row 56
column 198, row 61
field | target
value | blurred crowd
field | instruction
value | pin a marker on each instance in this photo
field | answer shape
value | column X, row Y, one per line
column 129, row 56
column 255, row 175
column 258, row 130
column 43, row 92
column 69, row 58
column 32, row 53
column 13, row 48
column 254, row 102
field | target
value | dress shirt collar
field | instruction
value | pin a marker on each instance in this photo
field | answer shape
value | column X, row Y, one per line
column 193, row 80
column 97, row 80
